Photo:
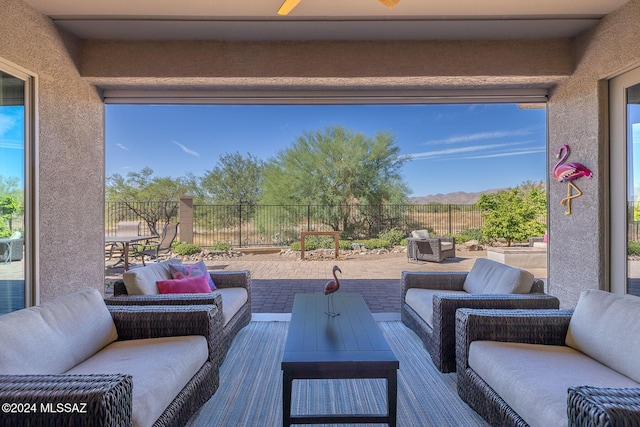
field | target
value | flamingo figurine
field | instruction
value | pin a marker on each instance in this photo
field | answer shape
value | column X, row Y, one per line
column 330, row 288
column 569, row 172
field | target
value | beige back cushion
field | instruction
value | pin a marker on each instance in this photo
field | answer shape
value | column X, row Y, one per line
column 55, row 336
column 142, row 281
column 605, row 327
column 491, row 277
column 420, row 234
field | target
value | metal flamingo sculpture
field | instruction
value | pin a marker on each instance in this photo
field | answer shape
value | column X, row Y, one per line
column 330, row 288
column 569, row 172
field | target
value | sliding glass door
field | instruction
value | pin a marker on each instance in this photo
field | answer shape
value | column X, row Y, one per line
column 15, row 135
column 625, row 183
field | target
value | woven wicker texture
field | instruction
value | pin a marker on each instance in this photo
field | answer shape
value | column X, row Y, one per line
column 107, row 399
column 603, row 407
column 440, row 340
column 430, row 249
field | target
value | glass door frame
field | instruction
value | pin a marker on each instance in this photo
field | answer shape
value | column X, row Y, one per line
column 618, row 179
column 31, row 274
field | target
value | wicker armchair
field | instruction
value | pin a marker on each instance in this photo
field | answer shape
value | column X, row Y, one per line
column 439, row 337
column 586, row 405
column 434, row 249
column 106, row 400
column 222, row 279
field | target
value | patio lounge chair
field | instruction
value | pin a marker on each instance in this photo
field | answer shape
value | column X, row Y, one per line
column 422, row 247
column 161, row 249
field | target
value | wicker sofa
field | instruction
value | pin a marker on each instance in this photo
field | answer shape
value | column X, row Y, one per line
column 232, row 296
column 430, row 300
column 553, row 368
column 75, row 361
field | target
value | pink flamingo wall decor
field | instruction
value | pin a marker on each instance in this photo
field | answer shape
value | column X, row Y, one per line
column 569, row 172
column 330, row 288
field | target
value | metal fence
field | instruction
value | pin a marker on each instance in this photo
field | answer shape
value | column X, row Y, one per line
column 271, row 225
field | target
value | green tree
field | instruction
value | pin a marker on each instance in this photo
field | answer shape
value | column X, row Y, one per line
column 514, row 214
column 236, row 179
column 336, row 167
column 154, row 199
column 8, row 205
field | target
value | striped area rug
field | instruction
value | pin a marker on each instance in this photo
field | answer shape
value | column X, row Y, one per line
column 250, row 392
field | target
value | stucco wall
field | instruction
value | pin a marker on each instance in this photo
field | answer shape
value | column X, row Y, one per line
column 577, row 112
column 71, row 152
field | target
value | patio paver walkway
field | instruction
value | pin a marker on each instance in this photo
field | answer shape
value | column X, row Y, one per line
column 275, row 282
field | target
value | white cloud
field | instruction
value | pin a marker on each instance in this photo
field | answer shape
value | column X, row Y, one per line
column 122, row 147
column 7, row 123
column 507, row 154
column 478, row 136
column 187, row 149
column 461, row 150
column 12, row 145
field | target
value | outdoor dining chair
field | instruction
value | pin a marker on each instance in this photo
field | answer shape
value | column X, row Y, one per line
column 162, row 248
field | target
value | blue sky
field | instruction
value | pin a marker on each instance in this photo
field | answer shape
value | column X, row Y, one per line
column 451, row 147
column 12, row 142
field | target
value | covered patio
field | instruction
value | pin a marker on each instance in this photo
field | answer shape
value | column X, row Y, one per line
column 74, row 60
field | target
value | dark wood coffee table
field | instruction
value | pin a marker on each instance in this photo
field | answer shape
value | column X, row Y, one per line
column 347, row 346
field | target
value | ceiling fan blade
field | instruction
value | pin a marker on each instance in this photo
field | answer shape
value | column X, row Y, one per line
column 287, row 6
column 389, row 3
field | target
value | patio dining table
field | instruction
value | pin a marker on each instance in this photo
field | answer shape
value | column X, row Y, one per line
column 126, row 242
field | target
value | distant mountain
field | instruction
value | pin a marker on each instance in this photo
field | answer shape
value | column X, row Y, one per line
column 457, row 198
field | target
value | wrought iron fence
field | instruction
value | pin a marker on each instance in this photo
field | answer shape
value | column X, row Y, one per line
column 152, row 215
column 271, row 225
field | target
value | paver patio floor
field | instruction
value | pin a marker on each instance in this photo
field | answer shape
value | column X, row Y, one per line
column 277, row 279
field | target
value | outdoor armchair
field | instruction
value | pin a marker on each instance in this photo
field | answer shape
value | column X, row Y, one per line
column 423, row 247
column 430, row 300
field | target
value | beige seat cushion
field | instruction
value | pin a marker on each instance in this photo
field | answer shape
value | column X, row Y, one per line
column 445, row 246
column 421, row 301
column 55, row 336
column 160, row 367
column 605, row 326
column 533, row 379
column 420, row 234
column 491, row 277
column 142, row 281
column 232, row 300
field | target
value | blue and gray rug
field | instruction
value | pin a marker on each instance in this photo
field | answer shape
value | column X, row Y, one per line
column 250, row 392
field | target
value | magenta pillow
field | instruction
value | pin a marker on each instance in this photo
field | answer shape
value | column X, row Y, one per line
column 188, row 285
column 180, row 271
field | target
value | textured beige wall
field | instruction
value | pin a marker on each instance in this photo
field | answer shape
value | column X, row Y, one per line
column 71, row 152
column 317, row 65
column 577, row 114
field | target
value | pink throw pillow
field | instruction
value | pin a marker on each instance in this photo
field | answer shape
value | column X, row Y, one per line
column 188, row 285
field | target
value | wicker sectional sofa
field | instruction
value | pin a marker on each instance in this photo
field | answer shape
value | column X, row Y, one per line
column 430, row 300
column 75, row 361
column 232, row 296
column 553, row 367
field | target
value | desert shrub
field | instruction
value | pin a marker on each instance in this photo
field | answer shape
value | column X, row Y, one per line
column 221, row 246
column 633, row 248
column 376, row 243
column 393, row 236
column 469, row 234
column 182, row 248
column 345, row 245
